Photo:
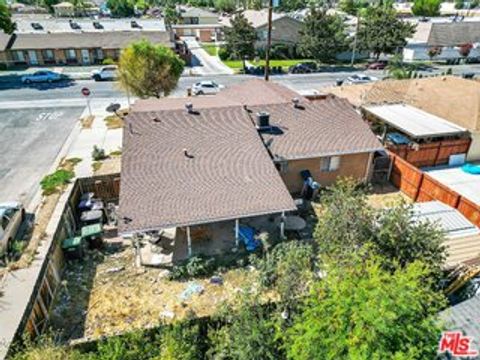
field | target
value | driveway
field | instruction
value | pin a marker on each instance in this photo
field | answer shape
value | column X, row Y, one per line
column 202, row 62
column 30, row 139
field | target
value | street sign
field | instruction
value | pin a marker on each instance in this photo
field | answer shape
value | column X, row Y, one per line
column 85, row 91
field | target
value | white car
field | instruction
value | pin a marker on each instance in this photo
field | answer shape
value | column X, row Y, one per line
column 12, row 215
column 206, row 87
column 41, row 76
column 105, row 73
column 359, row 79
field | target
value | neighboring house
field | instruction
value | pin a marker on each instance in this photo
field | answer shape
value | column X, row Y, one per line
column 453, row 99
column 285, row 29
column 64, row 9
column 462, row 238
column 197, row 16
column 445, row 35
column 77, row 41
column 232, row 156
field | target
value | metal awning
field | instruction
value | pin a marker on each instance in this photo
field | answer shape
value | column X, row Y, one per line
column 415, row 122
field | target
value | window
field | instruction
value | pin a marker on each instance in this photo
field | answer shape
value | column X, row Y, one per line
column 48, row 55
column 70, row 54
column 330, row 163
column 20, row 56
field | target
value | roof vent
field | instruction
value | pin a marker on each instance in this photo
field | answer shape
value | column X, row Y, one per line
column 97, row 25
column 189, row 107
column 156, row 119
column 296, row 102
column 263, row 120
column 187, row 154
column 74, row 25
column 36, row 26
column 135, row 24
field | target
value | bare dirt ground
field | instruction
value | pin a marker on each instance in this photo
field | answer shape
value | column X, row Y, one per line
column 106, row 294
column 386, row 195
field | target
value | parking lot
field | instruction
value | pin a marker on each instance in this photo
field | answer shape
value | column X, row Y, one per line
column 30, row 139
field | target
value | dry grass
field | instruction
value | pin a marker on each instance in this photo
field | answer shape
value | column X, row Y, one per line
column 109, row 166
column 132, row 298
column 87, row 121
column 113, row 122
column 385, row 196
column 96, row 166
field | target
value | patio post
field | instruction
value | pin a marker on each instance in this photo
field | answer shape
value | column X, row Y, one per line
column 237, row 232
column 282, row 225
column 189, row 242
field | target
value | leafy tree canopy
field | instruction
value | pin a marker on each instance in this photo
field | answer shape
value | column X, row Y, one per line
column 352, row 7
column 363, row 312
column 6, row 23
column 147, row 70
column 323, row 36
column 240, row 38
column 426, row 7
column 348, row 222
column 225, row 5
column 121, row 8
column 380, row 30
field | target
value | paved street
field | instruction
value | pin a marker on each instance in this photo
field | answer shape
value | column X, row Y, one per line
column 30, row 140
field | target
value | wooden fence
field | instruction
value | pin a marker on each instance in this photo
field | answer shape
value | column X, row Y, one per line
column 431, row 154
column 421, row 187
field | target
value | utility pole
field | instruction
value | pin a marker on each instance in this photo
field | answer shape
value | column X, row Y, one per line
column 354, row 50
column 269, row 40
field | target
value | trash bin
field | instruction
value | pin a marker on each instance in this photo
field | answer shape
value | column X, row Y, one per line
column 93, row 235
column 73, row 248
column 92, row 217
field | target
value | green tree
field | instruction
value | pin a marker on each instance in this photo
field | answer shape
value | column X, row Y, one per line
column 459, row 4
column 352, row 7
column 6, row 23
column 247, row 332
column 381, row 31
column 225, row 5
column 362, row 312
column 171, row 14
column 348, row 222
column 180, row 342
column 240, row 38
column 323, row 36
column 147, row 70
column 434, row 51
column 121, row 8
column 292, row 5
column 426, row 7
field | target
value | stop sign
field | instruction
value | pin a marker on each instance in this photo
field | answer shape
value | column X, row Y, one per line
column 85, row 91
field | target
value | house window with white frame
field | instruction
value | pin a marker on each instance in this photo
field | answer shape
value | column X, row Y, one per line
column 330, row 163
column 70, row 54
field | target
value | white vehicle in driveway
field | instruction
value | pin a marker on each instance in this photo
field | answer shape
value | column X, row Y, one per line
column 106, row 73
column 359, row 79
column 41, row 76
column 206, row 87
column 12, row 215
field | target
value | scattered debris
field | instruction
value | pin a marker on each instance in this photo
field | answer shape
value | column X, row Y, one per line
column 216, row 279
column 166, row 314
column 115, row 269
column 191, row 289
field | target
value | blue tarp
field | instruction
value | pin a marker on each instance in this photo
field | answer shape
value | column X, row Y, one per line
column 247, row 235
column 471, row 169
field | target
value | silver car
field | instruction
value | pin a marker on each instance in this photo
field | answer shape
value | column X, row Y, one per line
column 41, row 77
column 12, row 215
column 359, row 79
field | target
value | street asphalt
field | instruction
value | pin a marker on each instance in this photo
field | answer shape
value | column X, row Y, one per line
column 30, row 139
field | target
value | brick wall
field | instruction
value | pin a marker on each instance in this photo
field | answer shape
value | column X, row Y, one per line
column 354, row 165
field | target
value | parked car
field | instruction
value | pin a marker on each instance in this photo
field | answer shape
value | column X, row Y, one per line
column 359, row 79
column 12, row 215
column 206, row 87
column 105, row 73
column 377, row 65
column 42, row 76
column 303, row 68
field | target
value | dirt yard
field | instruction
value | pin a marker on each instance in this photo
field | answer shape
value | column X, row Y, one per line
column 386, row 195
column 107, row 294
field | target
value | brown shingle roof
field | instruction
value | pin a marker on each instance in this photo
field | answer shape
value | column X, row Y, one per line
column 230, row 175
column 449, row 97
column 105, row 40
column 319, row 128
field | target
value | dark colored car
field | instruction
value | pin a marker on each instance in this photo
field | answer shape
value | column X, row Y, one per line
column 303, row 68
column 377, row 65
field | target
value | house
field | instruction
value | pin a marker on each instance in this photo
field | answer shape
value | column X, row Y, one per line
column 202, row 164
column 450, row 98
column 462, row 238
column 197, row 16
column 64, row 9
column 202, row 24
column 445, row 35
column 285, row 29
column 77, row 41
